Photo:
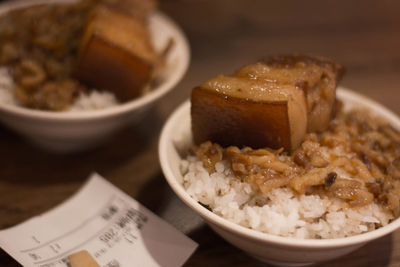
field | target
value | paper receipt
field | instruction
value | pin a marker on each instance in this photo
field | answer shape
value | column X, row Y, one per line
column 111, row 227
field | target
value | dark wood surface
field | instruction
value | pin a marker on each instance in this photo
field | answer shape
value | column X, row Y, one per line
column 362, row 35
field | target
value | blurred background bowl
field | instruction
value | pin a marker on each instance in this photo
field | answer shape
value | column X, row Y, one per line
column 176, row 139
column 72, row 132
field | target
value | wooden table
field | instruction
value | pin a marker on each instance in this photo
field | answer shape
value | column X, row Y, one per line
column 362, row 35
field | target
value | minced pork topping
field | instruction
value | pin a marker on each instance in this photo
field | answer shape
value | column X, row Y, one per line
column 357, row 160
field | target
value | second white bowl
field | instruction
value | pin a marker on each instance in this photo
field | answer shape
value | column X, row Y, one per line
column 70, row 132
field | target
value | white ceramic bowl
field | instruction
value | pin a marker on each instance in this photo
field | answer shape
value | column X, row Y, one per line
column 68, row 132
column 176, row 138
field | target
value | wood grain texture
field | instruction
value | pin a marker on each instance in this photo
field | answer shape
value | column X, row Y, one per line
column 364, row 36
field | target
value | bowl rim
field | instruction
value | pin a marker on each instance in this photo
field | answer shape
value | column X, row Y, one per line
column 156, row 93
column 165, row 137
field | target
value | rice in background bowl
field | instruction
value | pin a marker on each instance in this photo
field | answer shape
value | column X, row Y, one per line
column 92, row 100
column 176, row 139
column 75, row 131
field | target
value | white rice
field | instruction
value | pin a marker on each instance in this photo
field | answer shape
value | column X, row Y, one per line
column 93, row 100
column 279, row 212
